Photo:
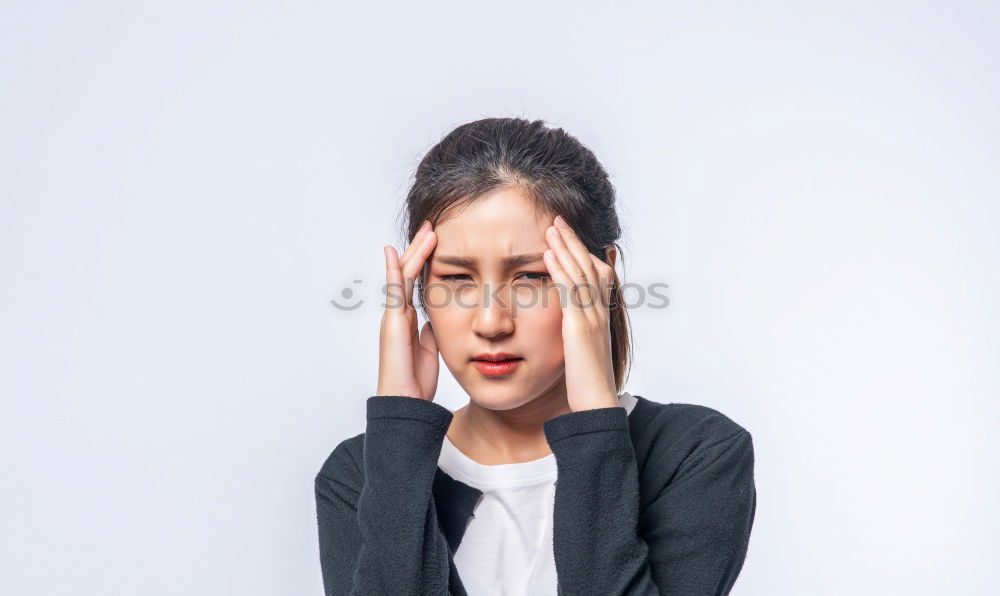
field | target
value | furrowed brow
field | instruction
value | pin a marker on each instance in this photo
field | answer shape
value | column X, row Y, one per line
column 470, row 262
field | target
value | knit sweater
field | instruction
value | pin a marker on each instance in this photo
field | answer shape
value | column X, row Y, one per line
column 658, row 502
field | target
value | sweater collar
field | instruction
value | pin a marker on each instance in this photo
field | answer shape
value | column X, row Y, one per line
column 454, row 501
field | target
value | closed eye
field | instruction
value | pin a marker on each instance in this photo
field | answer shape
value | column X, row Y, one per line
column 539, row 275
column 458, row 276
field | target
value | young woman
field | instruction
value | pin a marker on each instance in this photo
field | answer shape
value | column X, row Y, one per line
column 551, row 480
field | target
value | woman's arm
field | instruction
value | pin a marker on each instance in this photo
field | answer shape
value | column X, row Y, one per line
column 695, row 527
column 381, row 536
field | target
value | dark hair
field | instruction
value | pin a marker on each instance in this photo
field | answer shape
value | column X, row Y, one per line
column 556, row 172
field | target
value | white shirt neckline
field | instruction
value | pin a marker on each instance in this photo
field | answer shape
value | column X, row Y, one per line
column 463, row 468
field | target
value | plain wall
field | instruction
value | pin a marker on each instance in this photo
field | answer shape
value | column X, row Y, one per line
column 184, row 187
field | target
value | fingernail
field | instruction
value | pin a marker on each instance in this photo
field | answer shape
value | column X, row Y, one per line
column 561, row 222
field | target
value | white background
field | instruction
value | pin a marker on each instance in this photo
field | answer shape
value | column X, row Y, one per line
column 186, row 185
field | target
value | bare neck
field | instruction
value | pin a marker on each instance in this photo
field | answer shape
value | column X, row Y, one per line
column 493, row 437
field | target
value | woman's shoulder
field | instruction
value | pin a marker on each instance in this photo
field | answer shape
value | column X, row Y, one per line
column 670, row 436
column 678, row 418
column 345, row 464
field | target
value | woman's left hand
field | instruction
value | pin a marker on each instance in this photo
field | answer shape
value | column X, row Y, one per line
column 585, row 293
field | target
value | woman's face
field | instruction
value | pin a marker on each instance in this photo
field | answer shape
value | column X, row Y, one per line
column 481, row 302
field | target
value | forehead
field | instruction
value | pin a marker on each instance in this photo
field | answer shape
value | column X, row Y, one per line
column 499, row 223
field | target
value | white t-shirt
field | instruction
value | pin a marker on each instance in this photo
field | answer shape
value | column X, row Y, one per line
column 507, row 547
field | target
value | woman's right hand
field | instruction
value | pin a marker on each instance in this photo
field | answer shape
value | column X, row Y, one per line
column 408, row 362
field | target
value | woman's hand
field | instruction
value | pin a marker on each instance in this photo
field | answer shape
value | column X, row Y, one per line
column 408, row 363
column 586, row 325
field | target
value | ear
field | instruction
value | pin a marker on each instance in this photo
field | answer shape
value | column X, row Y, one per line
column 612, row 254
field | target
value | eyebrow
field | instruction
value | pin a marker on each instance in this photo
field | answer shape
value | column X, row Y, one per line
column 469, row 262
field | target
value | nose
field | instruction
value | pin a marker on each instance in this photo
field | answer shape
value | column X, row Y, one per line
column 493, row 318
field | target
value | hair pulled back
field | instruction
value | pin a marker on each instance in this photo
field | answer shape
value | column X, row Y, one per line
column 552, row 168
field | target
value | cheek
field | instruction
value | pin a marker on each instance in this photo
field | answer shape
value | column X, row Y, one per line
column 540, row 329
column 446, row 320
column 451, row 330
column 437, row 297
column 537, row 301
column 549, row 320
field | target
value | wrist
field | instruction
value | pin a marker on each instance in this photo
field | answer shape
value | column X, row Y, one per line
column 594, row 403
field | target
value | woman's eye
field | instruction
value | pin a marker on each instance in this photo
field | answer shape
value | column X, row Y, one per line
column 462, row 276
column 536, row 275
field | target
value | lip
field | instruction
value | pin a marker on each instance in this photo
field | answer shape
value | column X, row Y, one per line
column 496, row 369
column 497, row 356
column 497, row 364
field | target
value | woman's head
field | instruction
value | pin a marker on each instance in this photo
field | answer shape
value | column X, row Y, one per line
column 491, row 187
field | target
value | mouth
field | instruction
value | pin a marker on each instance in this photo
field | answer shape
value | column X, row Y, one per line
column 496, row 365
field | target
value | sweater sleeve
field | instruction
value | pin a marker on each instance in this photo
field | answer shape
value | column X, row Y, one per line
column 689, row 539
column 383, row 537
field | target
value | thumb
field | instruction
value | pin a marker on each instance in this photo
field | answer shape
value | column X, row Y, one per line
column 427, row 340
column 427, row 362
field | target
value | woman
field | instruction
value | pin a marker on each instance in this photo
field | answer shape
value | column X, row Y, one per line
column 551, row 480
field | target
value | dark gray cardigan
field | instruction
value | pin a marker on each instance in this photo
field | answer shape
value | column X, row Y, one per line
column 660, row 501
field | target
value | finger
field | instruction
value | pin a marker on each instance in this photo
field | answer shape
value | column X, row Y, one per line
column 420, row 249
column 579, row 286
column 577, row 249
column 566, row 299
column 414, row 246
column 427, row 361
column 566, row 258
column 415, row 242
column 605, row 278
column 418, row 244
column 412, row 269
column 427, row 340
column 394, row 290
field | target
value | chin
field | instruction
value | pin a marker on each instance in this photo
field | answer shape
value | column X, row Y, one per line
column 501, row 396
